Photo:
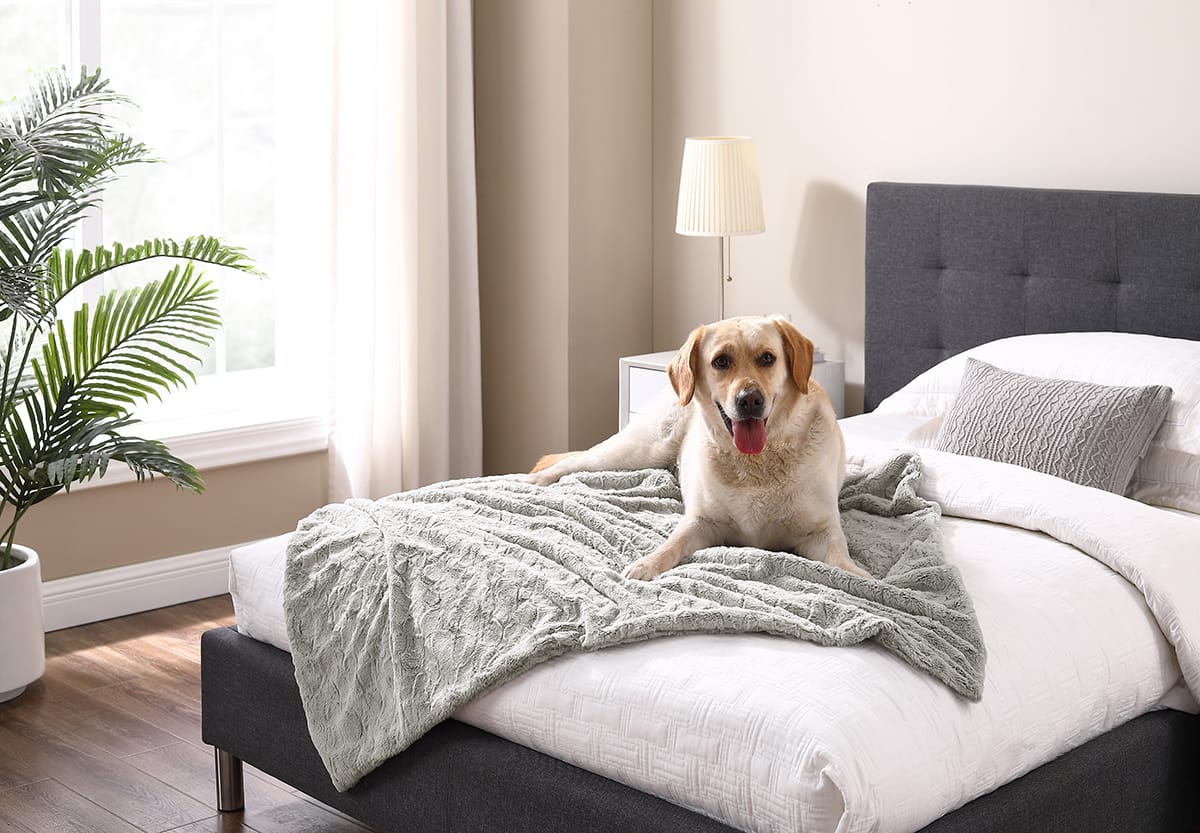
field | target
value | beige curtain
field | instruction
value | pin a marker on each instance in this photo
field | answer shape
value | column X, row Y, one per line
column 405, row 360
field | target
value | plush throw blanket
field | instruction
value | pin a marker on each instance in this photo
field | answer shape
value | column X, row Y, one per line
column 401, row 610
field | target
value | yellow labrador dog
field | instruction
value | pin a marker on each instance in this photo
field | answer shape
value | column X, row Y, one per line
column 757, row 445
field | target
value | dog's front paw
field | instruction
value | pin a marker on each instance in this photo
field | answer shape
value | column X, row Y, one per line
column 644, row 569
column 546, row 477
column 541, row 478
column 851, row 567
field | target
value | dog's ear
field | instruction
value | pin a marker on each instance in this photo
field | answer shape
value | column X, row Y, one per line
column 683, row 368
column 799, row 352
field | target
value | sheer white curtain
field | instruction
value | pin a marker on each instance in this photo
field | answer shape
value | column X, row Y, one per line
column 405, row 308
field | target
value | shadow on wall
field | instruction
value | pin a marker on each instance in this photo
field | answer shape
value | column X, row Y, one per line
column 828, row 273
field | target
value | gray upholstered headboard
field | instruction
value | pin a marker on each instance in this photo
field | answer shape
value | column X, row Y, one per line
column 953, row 266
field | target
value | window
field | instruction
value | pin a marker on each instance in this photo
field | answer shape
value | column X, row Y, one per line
column 235, row 97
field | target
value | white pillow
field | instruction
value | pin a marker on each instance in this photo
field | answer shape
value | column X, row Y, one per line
column 1169, row 474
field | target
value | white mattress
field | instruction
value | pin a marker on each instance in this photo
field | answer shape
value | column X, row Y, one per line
column 769, row 734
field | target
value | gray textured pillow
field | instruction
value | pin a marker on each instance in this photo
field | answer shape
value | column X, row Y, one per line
column 1087, row 433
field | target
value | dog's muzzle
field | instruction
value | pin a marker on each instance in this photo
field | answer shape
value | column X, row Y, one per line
column 749, row 404
column 749, row 433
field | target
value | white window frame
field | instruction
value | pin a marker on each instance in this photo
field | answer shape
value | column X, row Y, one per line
column 253, row 415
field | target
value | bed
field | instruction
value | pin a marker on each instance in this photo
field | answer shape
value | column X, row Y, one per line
column 948, row 268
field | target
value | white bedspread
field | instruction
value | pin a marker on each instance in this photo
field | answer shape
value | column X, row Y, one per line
column 769, row 734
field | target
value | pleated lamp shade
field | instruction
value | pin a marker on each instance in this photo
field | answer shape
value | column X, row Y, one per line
column 719, row 193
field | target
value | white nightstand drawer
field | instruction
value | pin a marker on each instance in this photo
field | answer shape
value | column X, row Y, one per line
column 642, row 378
column 645, row 384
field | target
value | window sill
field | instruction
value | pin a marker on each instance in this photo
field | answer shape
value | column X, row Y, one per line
column 247, row 441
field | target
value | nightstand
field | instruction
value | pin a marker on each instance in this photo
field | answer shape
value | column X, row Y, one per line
column 644, row 377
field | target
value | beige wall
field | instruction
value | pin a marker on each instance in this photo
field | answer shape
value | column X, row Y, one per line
column 562, row 102
column 111, row 526
column 521, row 163
column 610, row 226
column 1074, row 93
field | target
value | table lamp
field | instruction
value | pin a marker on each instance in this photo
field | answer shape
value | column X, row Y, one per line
column 719, row 194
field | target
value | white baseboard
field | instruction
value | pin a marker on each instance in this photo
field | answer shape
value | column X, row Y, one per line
column 78, row 600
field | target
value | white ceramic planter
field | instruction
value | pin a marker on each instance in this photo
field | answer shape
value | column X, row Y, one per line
column 22, row 642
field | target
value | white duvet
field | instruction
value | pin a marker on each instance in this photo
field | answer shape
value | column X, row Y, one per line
column 769, row 734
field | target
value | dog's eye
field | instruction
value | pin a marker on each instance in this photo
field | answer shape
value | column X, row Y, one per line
column 722, row 362
column 766, row 359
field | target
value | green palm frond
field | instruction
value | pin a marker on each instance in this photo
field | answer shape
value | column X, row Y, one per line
column 14, row 484
column 28, row 237
column 52, row 92
column 67, row 389
column 57, row 151
column 31, row 434
column 133, row 344
column 111, row 151
column 150, row 458
column 49, row 445
column 59, row 140
column 18, row 442
column 66, row 270
column 145, row 458
column 20, row 291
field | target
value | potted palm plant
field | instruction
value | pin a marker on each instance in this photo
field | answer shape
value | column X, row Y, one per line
column 69, row 381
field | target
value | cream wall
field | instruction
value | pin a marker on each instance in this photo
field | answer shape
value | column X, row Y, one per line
column 521, row 168
column 1073, row 93
column 111, row 526
column 610, row 212
column 563, row 154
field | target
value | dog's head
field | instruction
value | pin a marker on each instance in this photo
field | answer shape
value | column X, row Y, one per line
column 740, row 371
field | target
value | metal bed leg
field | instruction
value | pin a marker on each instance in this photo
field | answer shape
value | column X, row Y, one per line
column 230, row 796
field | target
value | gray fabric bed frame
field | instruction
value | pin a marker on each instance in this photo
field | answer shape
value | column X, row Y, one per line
column 953, row 266
column 948, row 267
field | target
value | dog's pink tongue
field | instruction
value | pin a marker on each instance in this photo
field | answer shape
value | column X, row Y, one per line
column 750, row 435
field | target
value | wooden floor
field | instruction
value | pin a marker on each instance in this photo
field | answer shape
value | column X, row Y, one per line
column 108, row 741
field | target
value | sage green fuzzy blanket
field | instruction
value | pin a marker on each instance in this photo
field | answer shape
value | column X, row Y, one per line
column 401, row 610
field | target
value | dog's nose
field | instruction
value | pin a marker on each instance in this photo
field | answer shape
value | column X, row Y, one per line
column 749, row 403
